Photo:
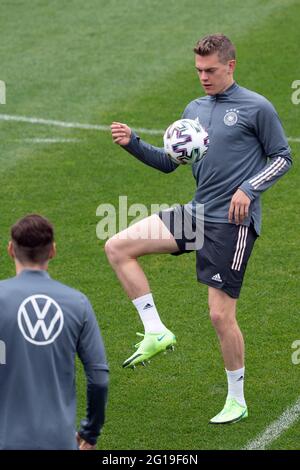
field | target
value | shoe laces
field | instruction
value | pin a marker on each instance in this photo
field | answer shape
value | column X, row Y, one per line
column 231, row 402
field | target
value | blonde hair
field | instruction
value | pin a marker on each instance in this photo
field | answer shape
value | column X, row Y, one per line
column 216, row 43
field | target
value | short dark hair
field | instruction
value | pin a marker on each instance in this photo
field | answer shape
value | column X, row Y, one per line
column 32, row 238
column 216, row 43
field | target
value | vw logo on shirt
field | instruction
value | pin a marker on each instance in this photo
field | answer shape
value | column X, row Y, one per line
column 40, row 319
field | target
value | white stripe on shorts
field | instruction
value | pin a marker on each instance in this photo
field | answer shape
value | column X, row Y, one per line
column 240, row 248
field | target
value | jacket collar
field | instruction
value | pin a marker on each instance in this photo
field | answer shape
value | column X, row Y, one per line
column 225, row 94
column 33, row 273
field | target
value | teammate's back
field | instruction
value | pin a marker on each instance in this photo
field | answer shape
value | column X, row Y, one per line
column 44, row 324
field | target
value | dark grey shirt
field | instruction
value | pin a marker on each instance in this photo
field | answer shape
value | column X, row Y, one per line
column 248, row 150
column 43, row 324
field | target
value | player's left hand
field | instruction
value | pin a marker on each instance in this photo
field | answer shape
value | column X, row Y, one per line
column 239, row 207
column 83, row 445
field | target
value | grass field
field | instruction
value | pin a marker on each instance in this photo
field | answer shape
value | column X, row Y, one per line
column 98, row 61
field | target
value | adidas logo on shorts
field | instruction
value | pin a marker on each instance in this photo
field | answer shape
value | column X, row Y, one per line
column 217, row 278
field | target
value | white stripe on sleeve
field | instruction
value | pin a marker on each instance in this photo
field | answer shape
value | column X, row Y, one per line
column 271, row 171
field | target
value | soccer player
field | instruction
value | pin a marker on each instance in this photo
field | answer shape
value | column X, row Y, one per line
column 248, row 153
column 43, row 325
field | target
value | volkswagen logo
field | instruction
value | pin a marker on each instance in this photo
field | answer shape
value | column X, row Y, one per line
column 40, row 319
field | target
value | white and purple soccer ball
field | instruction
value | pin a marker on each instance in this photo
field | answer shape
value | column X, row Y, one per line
column 186, row 141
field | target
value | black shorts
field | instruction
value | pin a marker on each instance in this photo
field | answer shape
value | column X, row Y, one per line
column 222, row 250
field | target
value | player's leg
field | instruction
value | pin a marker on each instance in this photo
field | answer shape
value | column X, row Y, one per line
column 221, row 264
column 148, row 236
column 222, row 309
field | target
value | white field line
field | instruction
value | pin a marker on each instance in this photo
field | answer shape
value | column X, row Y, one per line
column 49, row 140
column 70, row 125
column 275, row 429
column 78, row 125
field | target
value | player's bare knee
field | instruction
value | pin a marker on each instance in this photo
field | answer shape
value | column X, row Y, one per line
column 217, row 317
column 221, row 318
column 113, row 250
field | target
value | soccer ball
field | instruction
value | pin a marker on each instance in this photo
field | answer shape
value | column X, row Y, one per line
column 186, row 141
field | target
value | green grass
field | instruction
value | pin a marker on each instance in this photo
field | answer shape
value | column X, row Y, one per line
column 96, row 61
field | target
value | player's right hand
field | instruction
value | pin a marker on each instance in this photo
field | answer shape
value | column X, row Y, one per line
column 84, row 445
column 121, row 133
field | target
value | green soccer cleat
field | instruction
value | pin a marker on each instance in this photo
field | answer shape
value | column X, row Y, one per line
column 231, row 413
column 152, row 344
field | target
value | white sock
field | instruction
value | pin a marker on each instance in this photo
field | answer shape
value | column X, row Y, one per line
column 235, row 380
column 147, row 311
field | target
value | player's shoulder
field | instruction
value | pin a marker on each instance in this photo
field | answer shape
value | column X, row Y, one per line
column 198, row 101
column 76, row 299
column 9, row 284
column 6, row 283
column 194, row 104
column 3, row 282
column 255, row 99
column 70, row 292
column 49, row 284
